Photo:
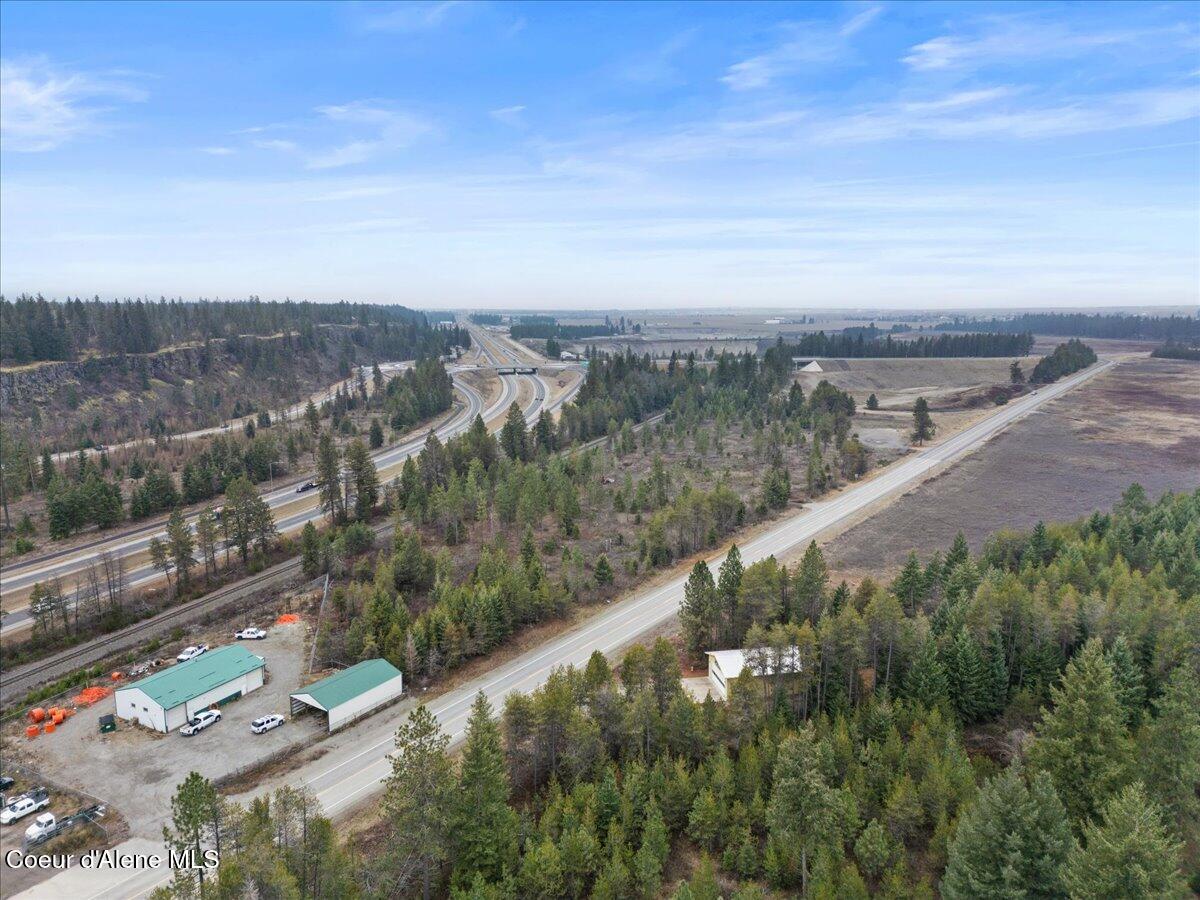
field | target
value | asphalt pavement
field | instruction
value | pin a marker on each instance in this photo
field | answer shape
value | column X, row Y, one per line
column 292, row 510
column 353, row 773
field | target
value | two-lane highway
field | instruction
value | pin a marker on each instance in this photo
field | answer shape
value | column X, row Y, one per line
column 351, row 773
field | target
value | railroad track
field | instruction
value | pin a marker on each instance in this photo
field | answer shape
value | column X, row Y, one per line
column 16, row 684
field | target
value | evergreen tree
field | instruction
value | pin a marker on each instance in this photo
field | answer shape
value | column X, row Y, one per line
column 1038, row 551
column 926, row 679
column 803, row 809
column 193, row 829
column 1127, row 853
column 160, row 558
column 311, row 561
column 729, row 582
column 1012, row 841
column 246, row 517
column 181, row 545
column 958, row 555
column 313, row 418
column 604, row 572
column 872, row 402
column 206, row 539
column 815, row 474
column 542, row 872
column 48, row 471
column 874, row 848
column 484, row 826
column 968, row 679
column 329, row 477
column 808, row 590
column 700, row 613
column 923, row 427
column 1170, row 750
column 361, row 469
column 376, row 434
column 513, row 439
column 652, row 855
column 1127, row 678
column 1081, row 742
column 909, row 585
column 1015, row 375
column 417, row 804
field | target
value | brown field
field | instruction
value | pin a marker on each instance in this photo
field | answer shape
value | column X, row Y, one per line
column 898, row 382
column 1136, row 423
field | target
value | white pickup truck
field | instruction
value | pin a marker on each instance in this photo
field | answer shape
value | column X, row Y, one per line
column 42, row 826
column 47, row 826
column 20, row 807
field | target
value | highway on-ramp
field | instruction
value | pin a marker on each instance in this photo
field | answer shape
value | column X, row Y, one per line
column 291, row 509
column 348, row 775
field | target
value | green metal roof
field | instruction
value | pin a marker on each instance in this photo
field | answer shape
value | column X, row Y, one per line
column 349, row 683
column 190, row 679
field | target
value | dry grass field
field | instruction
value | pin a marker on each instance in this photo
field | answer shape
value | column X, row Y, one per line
column 1136, row 423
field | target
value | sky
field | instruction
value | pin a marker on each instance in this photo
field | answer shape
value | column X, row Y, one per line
column 547, row 156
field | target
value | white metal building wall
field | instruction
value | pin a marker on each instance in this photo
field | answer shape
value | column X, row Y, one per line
column 243, row 684
column 347, row 712
column 134, row 705
column 717, row 678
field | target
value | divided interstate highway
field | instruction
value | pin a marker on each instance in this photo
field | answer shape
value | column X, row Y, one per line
column 351, row 774
column 292, row 510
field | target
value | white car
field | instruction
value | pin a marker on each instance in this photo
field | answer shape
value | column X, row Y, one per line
column 200, row 721
column 192, row 652
column 266, row 723
column 251, row 633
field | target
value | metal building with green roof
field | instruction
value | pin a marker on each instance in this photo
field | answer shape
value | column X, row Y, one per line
column 166, row 700
column 351, row 693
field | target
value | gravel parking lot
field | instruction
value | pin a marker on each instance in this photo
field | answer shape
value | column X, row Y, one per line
column 138, row 770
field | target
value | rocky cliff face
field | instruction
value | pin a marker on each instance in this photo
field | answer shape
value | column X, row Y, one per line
column 36, row 384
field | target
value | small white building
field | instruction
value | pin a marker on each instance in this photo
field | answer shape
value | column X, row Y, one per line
column 567, row 355
column 166, row 700
column 351, row 693
column 726, row 665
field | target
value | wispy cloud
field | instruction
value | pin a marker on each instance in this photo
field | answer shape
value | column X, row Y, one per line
column 805, row 44
column 860, row 21
column 509, row 115
column 658, row 66
column 1009, row 40
column 995, row 113
column 218, row 151
column 43, row 107
column 408, row 16
column 381, row 130
column 984, row 114
column 276, row 144
column 393, row 130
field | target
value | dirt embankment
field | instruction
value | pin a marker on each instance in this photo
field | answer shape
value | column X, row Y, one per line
column 109, row 399
column 1137, row 422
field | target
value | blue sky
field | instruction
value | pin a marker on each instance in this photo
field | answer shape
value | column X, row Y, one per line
column 612, row 155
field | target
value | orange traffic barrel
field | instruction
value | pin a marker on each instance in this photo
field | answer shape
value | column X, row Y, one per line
column 57, row 717
column 37, row 714
column 49, row 728
column 32, row 731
